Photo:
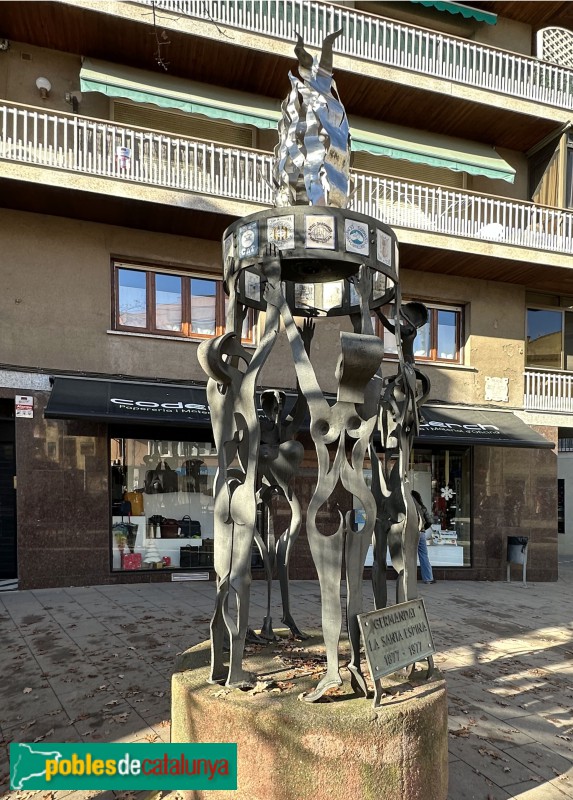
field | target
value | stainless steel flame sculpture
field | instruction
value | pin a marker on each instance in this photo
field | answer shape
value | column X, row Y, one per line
column 311, row 257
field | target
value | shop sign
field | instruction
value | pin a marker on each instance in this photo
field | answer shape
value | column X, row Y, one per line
column 395, row 637
column 436, row 426
column 24, row 406
column 150, row 406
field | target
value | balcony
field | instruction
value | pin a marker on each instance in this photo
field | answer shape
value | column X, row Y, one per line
column 548, row 391
column 374, row 39
column 136, row 156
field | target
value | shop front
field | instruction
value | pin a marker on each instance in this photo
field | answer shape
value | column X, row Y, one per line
column 484, row 476
column 143, row 506
column 161, row 467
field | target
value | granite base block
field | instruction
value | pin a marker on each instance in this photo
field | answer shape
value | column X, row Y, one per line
column 336, row 749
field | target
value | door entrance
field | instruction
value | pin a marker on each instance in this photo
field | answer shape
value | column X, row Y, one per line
column 8, row 552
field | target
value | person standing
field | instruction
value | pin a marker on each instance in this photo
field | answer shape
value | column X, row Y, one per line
column 425, row 521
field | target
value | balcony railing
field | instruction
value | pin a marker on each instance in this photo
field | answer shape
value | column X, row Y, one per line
column 384, row 41
column 94, row 147
column 548, row 391
column 410, row 204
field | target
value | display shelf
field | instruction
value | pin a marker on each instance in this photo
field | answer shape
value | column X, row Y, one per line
column 441, row 555
column 170, row 548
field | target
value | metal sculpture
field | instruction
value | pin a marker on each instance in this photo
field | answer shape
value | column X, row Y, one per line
column 280, row 457
column 310, row 256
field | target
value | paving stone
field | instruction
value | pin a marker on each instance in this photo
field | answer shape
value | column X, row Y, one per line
column 24, row 706
column 466, row 784
column 490, row 761
column 541, row 760
column 51, row 728
column 541, row 791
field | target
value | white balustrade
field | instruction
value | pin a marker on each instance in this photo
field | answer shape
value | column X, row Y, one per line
column 442, row 210
column 548, row 391
column 95, row 147
column 385, row 41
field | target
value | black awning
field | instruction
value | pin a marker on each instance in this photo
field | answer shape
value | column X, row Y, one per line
column 127, row 401
column 470, row 426
column 114, row 401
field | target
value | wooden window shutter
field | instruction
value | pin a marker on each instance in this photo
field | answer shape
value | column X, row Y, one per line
column 195, row 127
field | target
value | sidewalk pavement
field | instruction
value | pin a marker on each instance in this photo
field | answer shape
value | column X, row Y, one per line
column 93, row 664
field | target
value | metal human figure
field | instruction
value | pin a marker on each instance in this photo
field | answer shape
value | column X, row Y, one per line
column 402, row 396
column 280, row 457
column 335, row 425
column 231, row 398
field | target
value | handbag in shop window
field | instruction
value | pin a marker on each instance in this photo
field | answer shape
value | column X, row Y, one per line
column 169, row 528
column 189, row 528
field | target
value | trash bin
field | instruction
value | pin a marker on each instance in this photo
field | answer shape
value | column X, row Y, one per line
column 517, row 549
column 517, row 554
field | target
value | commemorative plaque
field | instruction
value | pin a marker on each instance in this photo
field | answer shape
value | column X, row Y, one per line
column 394, row 638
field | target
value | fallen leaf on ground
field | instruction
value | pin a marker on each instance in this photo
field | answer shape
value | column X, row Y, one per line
column 463, row 732
column 261, row 686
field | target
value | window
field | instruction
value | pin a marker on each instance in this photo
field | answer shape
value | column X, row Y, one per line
column 438, row 340
column 443, row 478
column 162, row 504
column 549, row 332
column 544, row 338
column 161, row 496
column 150, row 301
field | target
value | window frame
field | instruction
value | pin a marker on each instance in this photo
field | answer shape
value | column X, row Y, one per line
column 151, row 328
column 433, row 309
column 540, row 307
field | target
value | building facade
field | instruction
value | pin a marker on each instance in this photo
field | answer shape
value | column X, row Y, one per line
column 133, row 133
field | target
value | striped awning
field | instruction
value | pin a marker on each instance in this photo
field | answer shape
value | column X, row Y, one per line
column 115, row 80
column 382, row 139
column 436, row 150
column 467, row 12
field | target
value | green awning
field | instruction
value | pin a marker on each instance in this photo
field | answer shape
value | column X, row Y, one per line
column 433, row 149
column 382, row 139
column 167, row 91
column 457, row 8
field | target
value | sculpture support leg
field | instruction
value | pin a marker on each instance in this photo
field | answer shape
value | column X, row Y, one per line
column 327, row 555
column 356, row 549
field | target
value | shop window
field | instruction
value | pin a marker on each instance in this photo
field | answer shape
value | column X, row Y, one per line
column 162, row 504
column 150, row 301
column 442, row 476
column 443, row 479
column 438, row 340
column 549, row 333
column 161, row 496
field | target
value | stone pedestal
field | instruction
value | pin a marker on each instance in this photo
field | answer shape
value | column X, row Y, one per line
column 338, row 749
